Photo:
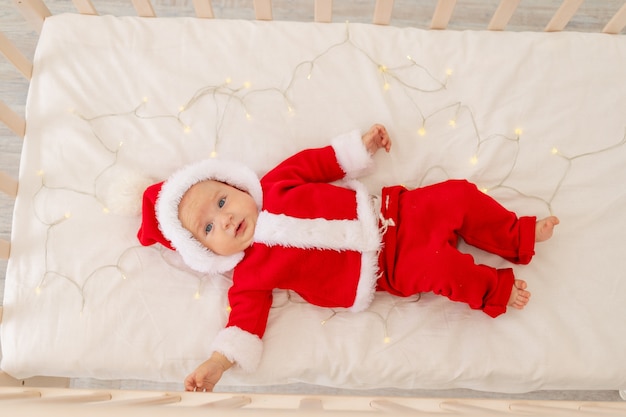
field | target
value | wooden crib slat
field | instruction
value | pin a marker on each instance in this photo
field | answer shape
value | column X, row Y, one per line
column 144, row 8
column 563, row 15
column 10, row 51
column 97, row 396
column 617, row 23
column 85, row 7
column 12, row 120
column 263, row 9
column 442, row 14
column 503, row 14
column 382, row 12
column 5, row 249
column 34, row 12
column 8, row 184
column 323, row 11
column 204, row 9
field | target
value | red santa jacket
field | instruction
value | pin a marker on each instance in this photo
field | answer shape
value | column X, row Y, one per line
column 313, row 236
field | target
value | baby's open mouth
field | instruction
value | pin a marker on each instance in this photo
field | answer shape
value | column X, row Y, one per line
column 240, row 228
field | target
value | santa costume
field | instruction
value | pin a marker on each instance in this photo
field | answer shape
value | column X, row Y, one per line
column 328, row 242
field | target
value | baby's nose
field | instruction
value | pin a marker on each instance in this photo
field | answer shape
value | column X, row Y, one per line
column 226, row 219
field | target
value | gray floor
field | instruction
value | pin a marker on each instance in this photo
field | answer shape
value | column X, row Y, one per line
column 469, row 14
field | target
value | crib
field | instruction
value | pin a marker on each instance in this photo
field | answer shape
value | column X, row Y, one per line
column 536, row 119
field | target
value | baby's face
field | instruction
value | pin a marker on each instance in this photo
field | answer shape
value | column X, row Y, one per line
column 221, row 217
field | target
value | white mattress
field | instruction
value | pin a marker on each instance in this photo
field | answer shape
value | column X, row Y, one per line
column 537, row 120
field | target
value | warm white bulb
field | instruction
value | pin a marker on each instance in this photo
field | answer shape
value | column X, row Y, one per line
column 474, row 160
column 519, row 131
column 421, row 131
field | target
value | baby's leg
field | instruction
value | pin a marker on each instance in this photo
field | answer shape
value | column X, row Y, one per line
column 519, row 296
column 545, row 227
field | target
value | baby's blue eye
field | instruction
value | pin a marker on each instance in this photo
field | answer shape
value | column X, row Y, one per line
column 208, row 228
column 221, row 202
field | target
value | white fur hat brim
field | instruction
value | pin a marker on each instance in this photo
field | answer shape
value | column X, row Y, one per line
column 194, row 254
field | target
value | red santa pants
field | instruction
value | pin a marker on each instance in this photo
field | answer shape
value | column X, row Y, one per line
column 420, row 252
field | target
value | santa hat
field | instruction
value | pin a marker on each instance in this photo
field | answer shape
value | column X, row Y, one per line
column 160, row 222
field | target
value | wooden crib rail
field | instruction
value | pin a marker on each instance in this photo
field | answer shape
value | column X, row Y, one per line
column 35, row 11
column 73, row 402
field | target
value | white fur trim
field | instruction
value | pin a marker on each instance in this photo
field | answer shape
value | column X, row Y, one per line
column 239, row 346
column 369, row 259
column 193, row 253
column 351, row 154
column 282, row 230
column 366, row 289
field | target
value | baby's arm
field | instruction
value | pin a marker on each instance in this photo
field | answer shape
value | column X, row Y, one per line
column 376, row 138
column 207, row 375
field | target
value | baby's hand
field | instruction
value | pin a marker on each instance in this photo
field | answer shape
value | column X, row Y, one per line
column 207, row 375
column 376, row 138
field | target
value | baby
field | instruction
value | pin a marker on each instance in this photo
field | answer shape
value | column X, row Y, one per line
column 296, row 228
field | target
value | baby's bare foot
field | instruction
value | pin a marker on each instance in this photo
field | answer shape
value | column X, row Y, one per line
column 519, row 296
column 545, row 227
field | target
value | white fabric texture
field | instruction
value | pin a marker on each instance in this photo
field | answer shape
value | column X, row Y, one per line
column 537, row 120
